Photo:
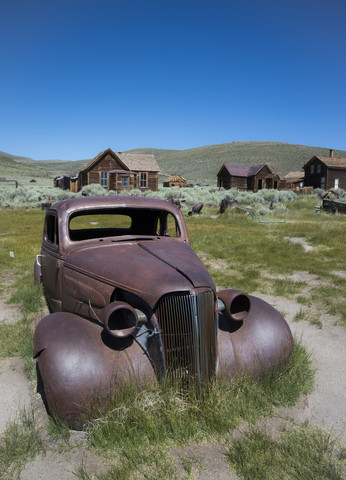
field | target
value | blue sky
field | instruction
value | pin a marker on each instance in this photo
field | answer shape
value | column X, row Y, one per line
column 78, row 76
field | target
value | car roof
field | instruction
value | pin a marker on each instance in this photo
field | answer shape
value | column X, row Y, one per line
column 65, row 207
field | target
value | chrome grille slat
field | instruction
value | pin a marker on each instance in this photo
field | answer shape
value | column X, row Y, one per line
column 188, row 327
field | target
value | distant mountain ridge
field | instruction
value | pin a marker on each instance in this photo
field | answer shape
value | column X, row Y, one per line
column 197, row 165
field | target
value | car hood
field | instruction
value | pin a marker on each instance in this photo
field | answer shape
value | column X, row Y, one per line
column 148, row 269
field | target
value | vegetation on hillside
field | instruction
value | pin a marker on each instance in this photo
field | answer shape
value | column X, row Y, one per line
column 198, row 165
column 201, row 165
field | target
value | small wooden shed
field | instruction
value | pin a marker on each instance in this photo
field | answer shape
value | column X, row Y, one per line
column 274, row 180
column 64, row 181
column 175, row 181
column 293, row 180
column 244, row 177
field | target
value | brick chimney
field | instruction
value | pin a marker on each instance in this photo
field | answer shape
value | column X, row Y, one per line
column 331, row 153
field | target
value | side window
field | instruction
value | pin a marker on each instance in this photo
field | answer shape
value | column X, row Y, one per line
column 103, row 179
column 172, row 226
column 312, row 168
column 52, row 233
column 143, row 180
column 318, row 168
column 168, row 226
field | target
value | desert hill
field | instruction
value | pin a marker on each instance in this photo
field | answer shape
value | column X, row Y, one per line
column 197, row 165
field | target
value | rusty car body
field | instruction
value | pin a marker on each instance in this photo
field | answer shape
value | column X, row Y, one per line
column 131, row 301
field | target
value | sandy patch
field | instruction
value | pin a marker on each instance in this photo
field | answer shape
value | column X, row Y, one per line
column 300, row 241
column 14, row 388
column 298, row 276
column 63, row 466
column 208, row 461
column 327, row 345
column 9, row 313
column 339, row 273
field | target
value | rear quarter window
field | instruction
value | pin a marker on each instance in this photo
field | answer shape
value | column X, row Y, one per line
column 51, row 229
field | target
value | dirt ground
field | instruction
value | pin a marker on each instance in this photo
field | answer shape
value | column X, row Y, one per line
column 325, row 406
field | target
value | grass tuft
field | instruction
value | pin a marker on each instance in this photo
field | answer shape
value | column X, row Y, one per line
column 16, row 341
column 28, row 295
column 303, row 453
column 18, row 444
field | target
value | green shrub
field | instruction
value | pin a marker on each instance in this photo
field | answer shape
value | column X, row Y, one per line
column 31, row 197
column 94, row 190
column 262, row 211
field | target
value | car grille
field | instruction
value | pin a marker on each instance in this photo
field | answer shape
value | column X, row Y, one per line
column 188, row 329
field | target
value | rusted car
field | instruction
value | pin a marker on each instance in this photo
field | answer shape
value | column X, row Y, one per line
column 131, row 301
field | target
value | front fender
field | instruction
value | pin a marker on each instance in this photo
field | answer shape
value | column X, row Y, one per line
column 262, row 341
column 82, row 366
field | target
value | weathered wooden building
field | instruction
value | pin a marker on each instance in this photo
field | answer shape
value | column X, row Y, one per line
column 325, row 172
column 64, row 181
column 120, row 171
column 243, row 177
column 175, row 181
column 274, row 180
column 293, row 180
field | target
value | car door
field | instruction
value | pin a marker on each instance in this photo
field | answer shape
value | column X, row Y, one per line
column 51, row 262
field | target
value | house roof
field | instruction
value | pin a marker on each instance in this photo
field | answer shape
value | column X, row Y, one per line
column 331, row 162
column 175, row 178
column 291, row 175
column 274, row 174
column 133, row 161
column 139, row 161
column 244, row 170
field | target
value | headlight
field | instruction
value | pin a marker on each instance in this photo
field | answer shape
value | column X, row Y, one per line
column 120, row 319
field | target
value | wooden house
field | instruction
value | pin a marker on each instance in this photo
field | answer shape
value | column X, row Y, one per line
column 274, row 180
column 293, row 180
column 121, row 171
column 243, row 177
column 64, row 181
column 175, row 181
column 325, row 172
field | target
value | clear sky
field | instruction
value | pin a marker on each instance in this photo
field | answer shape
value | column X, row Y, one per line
column 79, row 76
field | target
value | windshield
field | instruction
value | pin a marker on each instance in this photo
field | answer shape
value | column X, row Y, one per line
column 120, row 222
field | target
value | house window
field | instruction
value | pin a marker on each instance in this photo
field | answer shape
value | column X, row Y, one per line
column 260, row 184
column 124, row 181
column 103, row 179
column 312, row 168
column 336, row 183
column 318, row 168
column 323, row 182
column 144, row 180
